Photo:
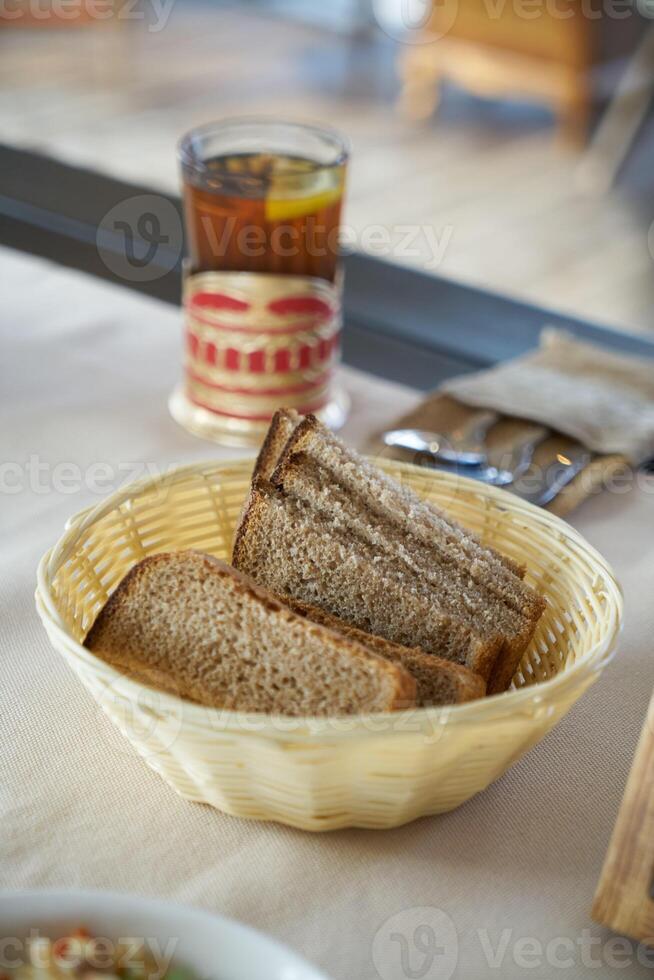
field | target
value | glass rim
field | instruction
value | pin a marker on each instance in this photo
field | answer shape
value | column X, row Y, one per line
column 188, row 157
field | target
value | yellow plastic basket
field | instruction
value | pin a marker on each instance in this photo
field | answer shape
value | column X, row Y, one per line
column 321, row 774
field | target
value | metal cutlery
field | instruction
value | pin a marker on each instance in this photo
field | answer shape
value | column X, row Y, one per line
column 464, row 445
column 514, row 464
column 542, row 487
column 555, row 477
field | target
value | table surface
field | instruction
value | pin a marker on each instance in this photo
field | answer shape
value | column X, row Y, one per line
column 86, row 373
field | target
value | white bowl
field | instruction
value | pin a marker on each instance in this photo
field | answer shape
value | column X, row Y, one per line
column 211, row 946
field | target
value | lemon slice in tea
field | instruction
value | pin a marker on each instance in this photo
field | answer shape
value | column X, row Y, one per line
column 302, row 191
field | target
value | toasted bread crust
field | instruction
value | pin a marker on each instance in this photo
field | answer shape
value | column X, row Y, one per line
column 250, row 506
column 508, row 663
column 294, row 444
column 281, row 427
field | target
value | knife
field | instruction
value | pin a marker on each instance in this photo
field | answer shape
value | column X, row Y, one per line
column 557, row 476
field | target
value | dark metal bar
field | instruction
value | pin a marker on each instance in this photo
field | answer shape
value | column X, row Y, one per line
column 400, row 323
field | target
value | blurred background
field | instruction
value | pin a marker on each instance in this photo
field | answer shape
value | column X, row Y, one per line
column 504, row 143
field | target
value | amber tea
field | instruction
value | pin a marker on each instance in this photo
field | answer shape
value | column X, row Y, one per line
column 264, row 212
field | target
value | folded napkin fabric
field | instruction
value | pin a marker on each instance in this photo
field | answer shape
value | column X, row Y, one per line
column 602, row 399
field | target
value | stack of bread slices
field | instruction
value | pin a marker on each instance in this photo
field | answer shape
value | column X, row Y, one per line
column 347, row 593
column 325, row 528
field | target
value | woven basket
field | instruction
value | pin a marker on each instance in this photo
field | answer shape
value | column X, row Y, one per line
column 321, row 774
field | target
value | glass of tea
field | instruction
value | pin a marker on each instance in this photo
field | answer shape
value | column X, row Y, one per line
column 262, row 283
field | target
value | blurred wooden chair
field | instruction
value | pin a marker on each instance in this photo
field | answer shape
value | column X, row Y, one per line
column 544, row 52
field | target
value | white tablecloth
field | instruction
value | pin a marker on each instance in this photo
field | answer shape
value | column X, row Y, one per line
column 86, row 372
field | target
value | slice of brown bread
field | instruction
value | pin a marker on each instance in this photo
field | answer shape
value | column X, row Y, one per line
column 396, row 502
column 438, row 681
column 300, row 476
column 475, row 602
column 284, row 423
column 196, row 626
column 290, row 549
column 317, row 468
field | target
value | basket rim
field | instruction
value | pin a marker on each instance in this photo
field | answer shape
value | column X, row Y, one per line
column 532, row 699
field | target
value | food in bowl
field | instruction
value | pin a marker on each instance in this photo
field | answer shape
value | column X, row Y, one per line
column 181, row 941
column 347, row 594
column 82, row 956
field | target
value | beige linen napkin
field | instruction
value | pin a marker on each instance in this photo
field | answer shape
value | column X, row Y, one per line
column 604, row 400
column 440, row 413
column 582, row 392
